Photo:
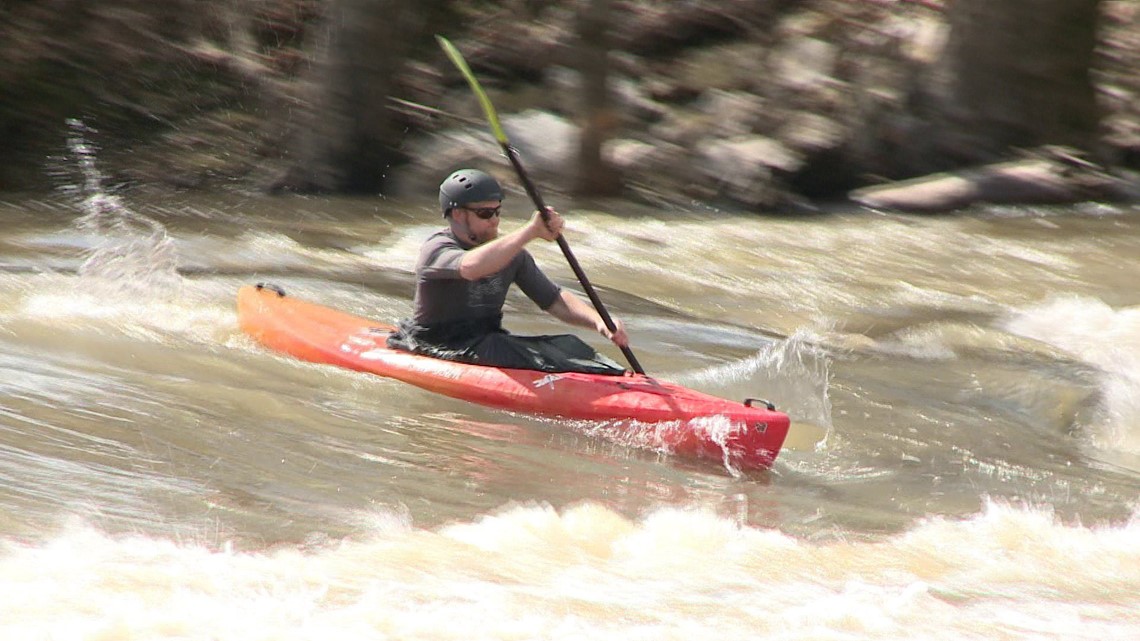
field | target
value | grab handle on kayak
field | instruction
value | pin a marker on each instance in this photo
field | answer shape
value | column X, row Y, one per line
column 271, row 287
column 749, row 401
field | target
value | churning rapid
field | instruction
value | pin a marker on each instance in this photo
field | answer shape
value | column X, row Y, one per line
column 966, row 466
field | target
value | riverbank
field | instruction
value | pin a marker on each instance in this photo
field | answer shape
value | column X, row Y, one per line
column 766, row 106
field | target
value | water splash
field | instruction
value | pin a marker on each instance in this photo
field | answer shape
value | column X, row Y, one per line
column 793, row 373
column 133, row 255
column 658, row 436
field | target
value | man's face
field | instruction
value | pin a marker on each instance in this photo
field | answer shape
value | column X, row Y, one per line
column 481, row 219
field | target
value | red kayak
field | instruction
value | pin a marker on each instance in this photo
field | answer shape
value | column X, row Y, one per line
column 670, row 417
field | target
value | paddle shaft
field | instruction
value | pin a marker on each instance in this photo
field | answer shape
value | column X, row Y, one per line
column 535, row 197
column 531, row 190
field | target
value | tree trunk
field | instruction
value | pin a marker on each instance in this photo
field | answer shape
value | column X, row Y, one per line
column 595, row 177
column 1015, row 73
column 348, row 137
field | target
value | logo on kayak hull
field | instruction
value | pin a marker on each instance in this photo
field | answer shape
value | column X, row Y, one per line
column 547, row 380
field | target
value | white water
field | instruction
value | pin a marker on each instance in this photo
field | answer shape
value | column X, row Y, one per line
column 586, row 572
column 1106, row 338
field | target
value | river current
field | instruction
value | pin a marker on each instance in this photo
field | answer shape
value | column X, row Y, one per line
column 965, row 465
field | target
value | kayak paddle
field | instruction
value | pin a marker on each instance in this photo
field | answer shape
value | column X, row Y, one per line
column 531, row 190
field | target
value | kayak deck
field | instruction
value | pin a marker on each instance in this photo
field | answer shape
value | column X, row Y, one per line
column 688, row 422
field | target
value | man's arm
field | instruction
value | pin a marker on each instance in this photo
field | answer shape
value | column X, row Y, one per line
column 574, row 311
column 491, row 257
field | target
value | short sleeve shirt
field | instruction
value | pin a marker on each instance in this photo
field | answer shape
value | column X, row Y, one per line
column 443, row 296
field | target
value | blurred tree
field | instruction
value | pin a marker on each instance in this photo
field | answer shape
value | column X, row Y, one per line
column 594, row 175
column 1015, row 73
column 346, row 136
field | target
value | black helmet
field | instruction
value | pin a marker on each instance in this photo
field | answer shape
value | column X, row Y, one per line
column 467, row 186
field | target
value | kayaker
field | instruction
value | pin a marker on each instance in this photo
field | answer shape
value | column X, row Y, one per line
column 462, row 277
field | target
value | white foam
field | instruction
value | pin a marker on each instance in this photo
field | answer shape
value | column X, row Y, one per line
column 188, row 313
column 587, row 572
column 1105, row 337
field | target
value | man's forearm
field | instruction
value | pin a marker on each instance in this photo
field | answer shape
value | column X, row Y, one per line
column 487, row 259
column 571, row 310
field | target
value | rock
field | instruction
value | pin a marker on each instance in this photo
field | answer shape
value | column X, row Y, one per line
column 926, row 40
column 547, row 144
column 725, row 67
column 631, row 97
column 669, row 91
column 625, row 154
column 635, row 104
column 1057, row 178
column 808, row 131
column 680, row 127
column 653, row 171
column 634, row 156
column 730, row 113
column 742, row 168
column 804, row 63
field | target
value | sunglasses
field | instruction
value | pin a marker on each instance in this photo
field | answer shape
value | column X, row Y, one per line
column 486, row 213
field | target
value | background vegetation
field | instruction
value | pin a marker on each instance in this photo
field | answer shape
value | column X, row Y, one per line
column 761, row 102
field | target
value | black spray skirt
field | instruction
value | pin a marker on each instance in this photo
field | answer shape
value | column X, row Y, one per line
column 485, row 342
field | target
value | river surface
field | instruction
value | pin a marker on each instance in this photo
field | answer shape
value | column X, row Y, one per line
column 965, row 464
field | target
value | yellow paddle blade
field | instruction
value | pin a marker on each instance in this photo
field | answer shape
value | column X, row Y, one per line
column 488, row 108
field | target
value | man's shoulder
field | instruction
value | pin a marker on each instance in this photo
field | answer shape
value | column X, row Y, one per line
column 441, row 250
column 440, row 240
column 441, row 237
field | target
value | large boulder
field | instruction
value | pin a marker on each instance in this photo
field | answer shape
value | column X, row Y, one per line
column 547, row 145
column 742, row 168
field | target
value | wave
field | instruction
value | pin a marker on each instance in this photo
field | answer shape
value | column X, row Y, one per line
column 1105, row 337
column 587, row 572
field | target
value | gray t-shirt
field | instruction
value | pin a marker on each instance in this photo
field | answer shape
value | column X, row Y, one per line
column 443, row 296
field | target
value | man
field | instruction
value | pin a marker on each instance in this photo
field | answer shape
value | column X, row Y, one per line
column 462, row 277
